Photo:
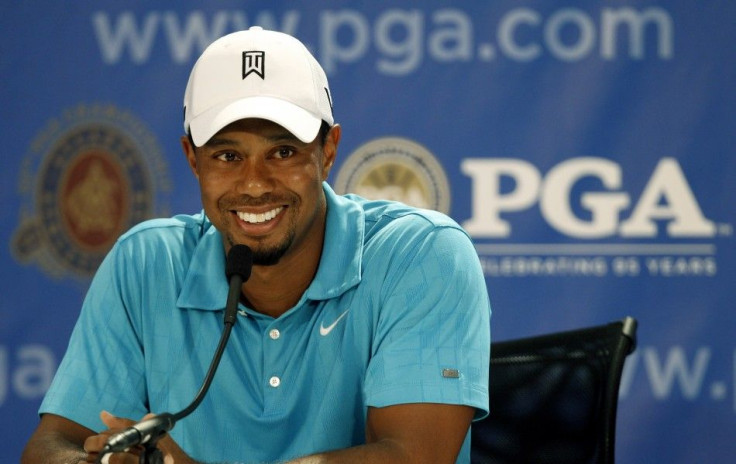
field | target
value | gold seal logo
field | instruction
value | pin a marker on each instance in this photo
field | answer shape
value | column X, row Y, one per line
column 89, row 176
column 395, row 168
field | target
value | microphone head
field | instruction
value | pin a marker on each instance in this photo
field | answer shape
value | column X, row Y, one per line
column 239, row 262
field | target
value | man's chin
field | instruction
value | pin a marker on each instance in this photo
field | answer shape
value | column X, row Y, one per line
column 265, row 254
column 268, row 256
column 266, row 259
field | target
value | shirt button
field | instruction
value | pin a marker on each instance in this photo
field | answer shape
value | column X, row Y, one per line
column 274, row 334
column 274, row 381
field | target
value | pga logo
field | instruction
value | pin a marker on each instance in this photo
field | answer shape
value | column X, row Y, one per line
column 667, row 196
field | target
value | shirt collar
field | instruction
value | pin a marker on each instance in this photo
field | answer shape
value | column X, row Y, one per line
column 342, row 254
column 205, row 285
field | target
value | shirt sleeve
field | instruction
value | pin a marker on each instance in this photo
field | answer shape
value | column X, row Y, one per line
column 103, row 367
column 432, row 341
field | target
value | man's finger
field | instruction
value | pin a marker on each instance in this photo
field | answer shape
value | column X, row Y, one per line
column 114, row 422
column 94, row 443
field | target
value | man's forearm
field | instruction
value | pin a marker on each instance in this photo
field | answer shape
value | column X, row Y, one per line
column 380, row 452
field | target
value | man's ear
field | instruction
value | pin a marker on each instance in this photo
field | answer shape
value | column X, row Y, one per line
column 330, row 149
column 188, row 148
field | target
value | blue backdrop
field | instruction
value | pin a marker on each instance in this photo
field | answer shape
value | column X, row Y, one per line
column 587, row 146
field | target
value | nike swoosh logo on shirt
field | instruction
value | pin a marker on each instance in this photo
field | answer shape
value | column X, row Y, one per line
column 324, row 331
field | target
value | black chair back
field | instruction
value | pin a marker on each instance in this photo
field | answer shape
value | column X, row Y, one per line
column 554, row 398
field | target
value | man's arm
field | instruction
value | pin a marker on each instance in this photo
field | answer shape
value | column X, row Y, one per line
column 406, row 433
column 60, row 440
column 56, row 440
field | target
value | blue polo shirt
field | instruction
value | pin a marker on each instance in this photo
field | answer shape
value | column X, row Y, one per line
column 398, row 312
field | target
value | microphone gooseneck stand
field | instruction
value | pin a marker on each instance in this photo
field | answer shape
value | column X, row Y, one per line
column 149, row 431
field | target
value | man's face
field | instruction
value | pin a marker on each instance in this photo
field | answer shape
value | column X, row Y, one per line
column 262, row 187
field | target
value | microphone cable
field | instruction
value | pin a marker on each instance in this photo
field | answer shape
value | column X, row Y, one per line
column 147, row 432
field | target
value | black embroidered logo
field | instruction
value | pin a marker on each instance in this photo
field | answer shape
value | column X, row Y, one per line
column 329, row 100
column 254, row 62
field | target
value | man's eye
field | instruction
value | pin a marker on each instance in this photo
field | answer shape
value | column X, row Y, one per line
column 227, row 156
column 283, row 153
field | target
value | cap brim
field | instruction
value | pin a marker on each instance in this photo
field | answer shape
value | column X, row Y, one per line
column 304, row 125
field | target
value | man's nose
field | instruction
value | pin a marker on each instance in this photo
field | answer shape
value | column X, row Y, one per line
column 256, row 178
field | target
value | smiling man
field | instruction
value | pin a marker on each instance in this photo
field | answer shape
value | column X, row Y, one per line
column 363, row 332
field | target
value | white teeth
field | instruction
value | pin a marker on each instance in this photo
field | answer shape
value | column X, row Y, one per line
column 259, row 218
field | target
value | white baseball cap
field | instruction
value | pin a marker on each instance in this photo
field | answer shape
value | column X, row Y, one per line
column 256, row 74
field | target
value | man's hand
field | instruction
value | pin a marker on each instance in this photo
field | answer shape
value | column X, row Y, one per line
column 94, row 444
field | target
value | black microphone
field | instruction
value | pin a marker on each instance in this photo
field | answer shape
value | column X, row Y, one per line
column 147, row 432
column 140, row 433
column 237, row 270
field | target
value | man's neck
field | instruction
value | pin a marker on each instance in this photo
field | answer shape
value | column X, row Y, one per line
column 273, row 290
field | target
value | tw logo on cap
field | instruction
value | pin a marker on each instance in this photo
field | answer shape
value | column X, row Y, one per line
column 254, row 62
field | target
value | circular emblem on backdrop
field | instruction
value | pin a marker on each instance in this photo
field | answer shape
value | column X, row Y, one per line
column 89, row 176
column 395, row 168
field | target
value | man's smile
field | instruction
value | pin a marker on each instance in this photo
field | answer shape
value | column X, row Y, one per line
column 258, row 218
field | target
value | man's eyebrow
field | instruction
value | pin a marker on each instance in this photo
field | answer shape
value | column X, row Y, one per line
column 219, row 141
column 284, row 136
column 275, row 137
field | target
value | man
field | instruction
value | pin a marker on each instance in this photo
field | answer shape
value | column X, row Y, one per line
column 363, row 332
